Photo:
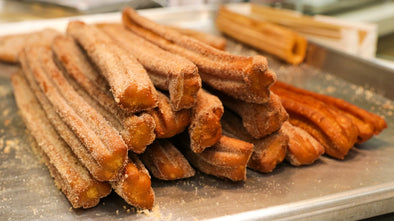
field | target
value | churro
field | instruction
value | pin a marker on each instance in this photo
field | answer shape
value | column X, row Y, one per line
column 134, row 184
column 368, row 123
column 12, row 45
column 227, row 159
column 259, row 120
column 209, row 39
column 169, row 122
column 62, row 129
column 268, row 151
column 99, row 138
column 333, row 129
column 205, row 129
column 282, row 42
column 303, row 149
column 165, row 162
column 80, row 188
column 243, row 77
column 168, row 71
column 130, row 84
column 137, row 130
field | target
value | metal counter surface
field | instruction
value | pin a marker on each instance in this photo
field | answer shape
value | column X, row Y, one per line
column 358, row 187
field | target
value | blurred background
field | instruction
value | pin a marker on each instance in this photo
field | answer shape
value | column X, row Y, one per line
column 378, row 12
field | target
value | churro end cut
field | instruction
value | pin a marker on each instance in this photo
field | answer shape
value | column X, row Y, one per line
column 138, row 188
column 135, row 99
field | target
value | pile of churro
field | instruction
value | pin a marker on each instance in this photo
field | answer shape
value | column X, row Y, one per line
column 111, row 105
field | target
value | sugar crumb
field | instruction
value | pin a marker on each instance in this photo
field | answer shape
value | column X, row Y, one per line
column 7, row 150
column 7, row 122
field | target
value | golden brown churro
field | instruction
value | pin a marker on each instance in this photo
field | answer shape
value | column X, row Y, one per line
column 100, row 139
column 165, row 162
column 242, row 77
column 334, row 130
column 130, row 84
column 303, row 149
column 167, row 71
column 169, row 122
column 11, row 45
column 63, row 130
column 134, row 184
column 268, row 151
column 369, row 124
column 205, row 129
column 274, row 39
column 226, row 159
column 137, row 131
column 70, row 176
column 209, row 39
column 259, row 120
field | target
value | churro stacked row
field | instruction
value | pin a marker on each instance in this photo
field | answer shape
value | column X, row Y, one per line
column 110, row 102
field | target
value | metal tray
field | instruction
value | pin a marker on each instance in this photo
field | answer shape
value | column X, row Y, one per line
column 358, row 187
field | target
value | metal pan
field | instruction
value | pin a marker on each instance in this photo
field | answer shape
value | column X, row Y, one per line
column 358, row 187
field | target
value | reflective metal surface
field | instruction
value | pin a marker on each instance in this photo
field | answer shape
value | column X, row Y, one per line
column 360, row 186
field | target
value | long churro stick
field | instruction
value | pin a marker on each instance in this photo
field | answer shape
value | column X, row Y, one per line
column 134, row 184
column 205, row 129
column 167, row 71
column 12, row 45
column 242, row 77
column 70, row 176
column 165, row 162
column 209, row 39
column 368, row 123
column 100, row 139
column 130, row 84
column 274, row 39
column 59, row 125
column 334, row 130
column 136, row 130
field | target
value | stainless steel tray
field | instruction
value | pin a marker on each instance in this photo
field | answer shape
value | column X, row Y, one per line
column 358, row 187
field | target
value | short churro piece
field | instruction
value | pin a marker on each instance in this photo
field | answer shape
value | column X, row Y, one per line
column 139, row 132
column 11, row 45
column 168, row 71
column 258, row 119
column 130, row 84
column 282, row 42
column 205, row 129
column 165, row 162
column 242, row 77
column 100, row 139
column 369, row 124
column 136, row 130
column 169, row 122
column 268, row 151
column 226, row 159
column 303, row 149
column 134, row 185
column 70, row 176
column 333, row 129
column 209, row 39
